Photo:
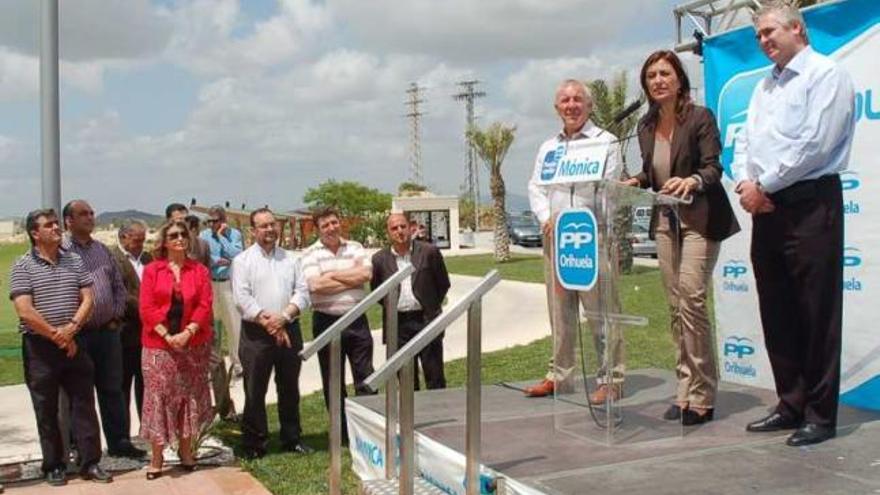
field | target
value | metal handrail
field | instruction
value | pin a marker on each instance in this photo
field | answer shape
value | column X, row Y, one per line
column 403, row 361
column 360, row 308
column 333, row 337
column 427, row 335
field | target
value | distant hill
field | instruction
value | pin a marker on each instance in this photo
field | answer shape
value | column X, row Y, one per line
column 116, row 217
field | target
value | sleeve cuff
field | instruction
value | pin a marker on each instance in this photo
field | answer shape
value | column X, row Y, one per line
column 771, row 182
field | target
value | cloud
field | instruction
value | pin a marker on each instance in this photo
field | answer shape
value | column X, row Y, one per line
column 491, row 30
column 19, row 75
column 206, row 41
column 88, row 29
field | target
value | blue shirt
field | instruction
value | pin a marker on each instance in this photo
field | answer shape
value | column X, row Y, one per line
column 800, row 124
column 226, row 246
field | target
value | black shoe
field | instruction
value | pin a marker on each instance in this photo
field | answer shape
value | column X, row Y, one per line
column 673, row 413
column 96, row 474
column 298, row 448
column 126, row 449
column 773, row 422
column 252, row 454
column 689, row 417
column 57, row 477
column 811, row 433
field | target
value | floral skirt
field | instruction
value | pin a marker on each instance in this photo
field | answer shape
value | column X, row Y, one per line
column 177, row 397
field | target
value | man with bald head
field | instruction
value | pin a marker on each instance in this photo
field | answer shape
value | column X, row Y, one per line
column 421, row 295
column 573, row 104
column 100, row 334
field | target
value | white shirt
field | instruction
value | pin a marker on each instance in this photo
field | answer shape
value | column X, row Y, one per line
column 547, row 200
column 407, row 300
column 318, row 260
column 136, row 262
column 267, row 282
column 800, row 124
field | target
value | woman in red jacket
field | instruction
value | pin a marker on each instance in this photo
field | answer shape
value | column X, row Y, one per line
column 175, row 307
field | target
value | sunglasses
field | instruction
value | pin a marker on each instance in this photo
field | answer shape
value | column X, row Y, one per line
column 173, row 236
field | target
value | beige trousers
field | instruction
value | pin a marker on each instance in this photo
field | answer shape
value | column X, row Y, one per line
column 562, row 306
column 687, row 274
column 225, row 311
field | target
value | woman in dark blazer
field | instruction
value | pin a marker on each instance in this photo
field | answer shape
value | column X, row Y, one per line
column 680, row 147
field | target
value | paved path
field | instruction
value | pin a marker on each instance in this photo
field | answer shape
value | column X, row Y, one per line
column 513, row 313
column 207, row 481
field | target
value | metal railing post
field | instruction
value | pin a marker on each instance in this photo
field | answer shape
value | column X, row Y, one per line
column 472, row 439
column 336, row 383
column 407, row 429
column 391, row 389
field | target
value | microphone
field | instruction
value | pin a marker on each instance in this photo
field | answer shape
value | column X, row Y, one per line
column 629, row 110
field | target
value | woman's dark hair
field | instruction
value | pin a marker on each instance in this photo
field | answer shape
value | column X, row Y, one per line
column 683, row 98
column 160, row 251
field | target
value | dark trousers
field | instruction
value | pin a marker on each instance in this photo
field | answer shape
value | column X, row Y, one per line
column 259, row 354
column 409, row 324
column 797, row 254
column 46, row 368
column 105, row 350
column 357, row 346
column 132, row 375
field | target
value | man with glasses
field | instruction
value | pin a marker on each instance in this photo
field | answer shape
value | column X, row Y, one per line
column 225, row 243
column 270, row 293
column 52, row 293
column 100, row 334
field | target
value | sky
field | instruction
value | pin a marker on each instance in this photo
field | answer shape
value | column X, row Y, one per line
column 255, row 101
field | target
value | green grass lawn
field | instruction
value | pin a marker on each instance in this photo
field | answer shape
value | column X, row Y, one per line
column 11, row 371
column 648, row 346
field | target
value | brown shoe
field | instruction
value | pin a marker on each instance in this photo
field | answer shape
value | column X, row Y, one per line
column 543, row 389
column 602, row 393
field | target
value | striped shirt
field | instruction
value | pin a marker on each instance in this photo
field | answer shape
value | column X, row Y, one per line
column 318, row 260
column 109, row 288
column 53, row 287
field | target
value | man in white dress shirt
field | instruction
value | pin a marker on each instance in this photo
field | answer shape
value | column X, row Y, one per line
column 270, row 292
column 573, row 104
column 796, row 140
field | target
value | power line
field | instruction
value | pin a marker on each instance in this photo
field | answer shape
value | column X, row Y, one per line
column 472, row 171
column 414, row 92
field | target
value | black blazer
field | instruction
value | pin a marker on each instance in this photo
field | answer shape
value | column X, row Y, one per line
column 430, row 280
column 696, row 146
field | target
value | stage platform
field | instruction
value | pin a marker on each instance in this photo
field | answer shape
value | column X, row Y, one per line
column 650, row 455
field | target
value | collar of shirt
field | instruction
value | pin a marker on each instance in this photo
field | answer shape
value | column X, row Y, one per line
column 131, row 256
column 589, row 130
column 342, row 243
column 796, row 65
column 36, row 255
column 404, row 255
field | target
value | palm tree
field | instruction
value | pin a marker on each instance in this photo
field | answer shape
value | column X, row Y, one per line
column 492, row 145
column 608, row 102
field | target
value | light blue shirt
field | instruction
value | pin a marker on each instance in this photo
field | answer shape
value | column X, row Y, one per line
column 800, row 124
column 226, row 246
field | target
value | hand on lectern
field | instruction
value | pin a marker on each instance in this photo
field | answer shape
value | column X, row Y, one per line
column 547, row 227
column 679, row 186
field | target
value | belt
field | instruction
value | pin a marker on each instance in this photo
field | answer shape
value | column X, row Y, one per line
column 220, row 279
column 803, row 190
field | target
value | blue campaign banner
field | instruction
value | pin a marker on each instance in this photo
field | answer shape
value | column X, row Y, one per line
column 847, row 31
column 577, row 249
